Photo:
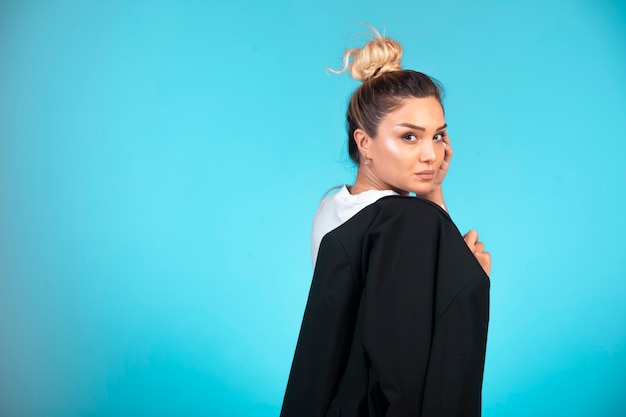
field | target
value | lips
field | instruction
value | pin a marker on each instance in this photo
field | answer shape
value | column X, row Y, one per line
column 426, row 175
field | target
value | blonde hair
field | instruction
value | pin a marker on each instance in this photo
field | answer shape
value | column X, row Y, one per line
column 378, row 56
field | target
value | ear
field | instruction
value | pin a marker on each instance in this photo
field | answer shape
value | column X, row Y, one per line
column 362, row 141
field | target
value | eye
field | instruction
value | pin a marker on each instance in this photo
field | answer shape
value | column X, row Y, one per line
column 410, row 137
column 439, row 137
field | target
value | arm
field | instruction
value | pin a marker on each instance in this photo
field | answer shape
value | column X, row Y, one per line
column 399, row 311
column 427, row 313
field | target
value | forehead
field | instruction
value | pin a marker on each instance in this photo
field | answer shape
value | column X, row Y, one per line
column 425, row 112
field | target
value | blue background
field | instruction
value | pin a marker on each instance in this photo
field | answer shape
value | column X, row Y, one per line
column 160, row 164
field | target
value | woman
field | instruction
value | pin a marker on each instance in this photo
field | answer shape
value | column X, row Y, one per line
column 396, row 320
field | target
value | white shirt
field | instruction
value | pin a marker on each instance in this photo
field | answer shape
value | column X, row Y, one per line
column 337, row 208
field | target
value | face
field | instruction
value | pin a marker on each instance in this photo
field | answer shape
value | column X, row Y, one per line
column 408, row 149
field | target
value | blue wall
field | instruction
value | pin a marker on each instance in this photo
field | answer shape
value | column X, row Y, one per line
column 160, row 164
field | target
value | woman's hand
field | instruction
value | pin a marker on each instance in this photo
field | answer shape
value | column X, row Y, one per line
column 443, row 169
column 436, row 194
column 478, row 249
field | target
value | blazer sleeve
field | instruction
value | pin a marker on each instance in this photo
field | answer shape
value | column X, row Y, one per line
column 325, row 335
column 425, row 309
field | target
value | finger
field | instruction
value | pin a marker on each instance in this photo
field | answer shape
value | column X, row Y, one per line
column 479, row 247
column 471, row 237
column 484, row 258
column 448, row 152
column 485, row 261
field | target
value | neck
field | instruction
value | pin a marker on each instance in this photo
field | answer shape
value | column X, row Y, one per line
column 366, row 181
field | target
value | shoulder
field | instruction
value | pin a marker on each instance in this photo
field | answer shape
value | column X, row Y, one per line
column 406, row 203
column 394, row 216
column 403, row 209
column 328, row 203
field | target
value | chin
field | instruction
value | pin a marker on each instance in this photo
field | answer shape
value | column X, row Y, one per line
column 419, row 191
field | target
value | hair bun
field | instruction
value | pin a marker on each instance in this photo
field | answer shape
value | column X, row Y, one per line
column 376, row 57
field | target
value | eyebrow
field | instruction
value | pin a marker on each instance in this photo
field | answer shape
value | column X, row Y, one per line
column 412, row 126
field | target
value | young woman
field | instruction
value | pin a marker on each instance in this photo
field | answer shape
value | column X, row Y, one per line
column 396, row 320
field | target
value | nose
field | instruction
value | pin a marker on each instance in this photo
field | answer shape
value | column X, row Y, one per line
column 427, row 151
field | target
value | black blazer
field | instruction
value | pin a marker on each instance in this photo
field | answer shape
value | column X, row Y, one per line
column 396, row 320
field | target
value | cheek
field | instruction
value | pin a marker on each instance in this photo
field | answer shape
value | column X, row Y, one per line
column 389, row 149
